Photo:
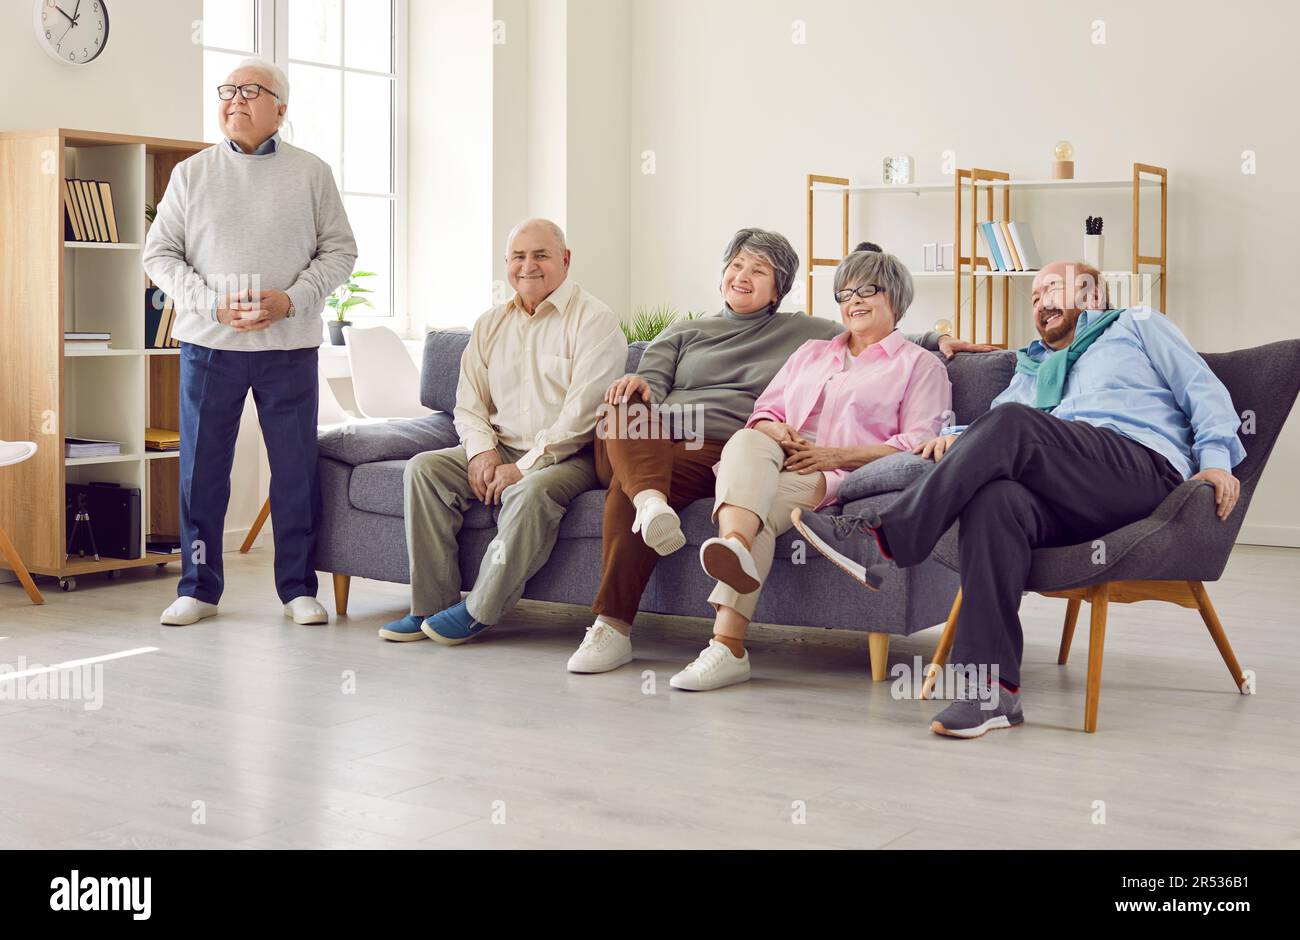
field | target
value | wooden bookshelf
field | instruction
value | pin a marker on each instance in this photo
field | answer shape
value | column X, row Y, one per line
column 47, row 393
column 979, row 195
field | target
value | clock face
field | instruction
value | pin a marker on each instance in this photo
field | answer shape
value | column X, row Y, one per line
column 73, row 31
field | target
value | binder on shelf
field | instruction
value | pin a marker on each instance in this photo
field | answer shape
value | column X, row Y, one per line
column 1003, row 251
column 89, row 447
column 991, row 244
column 1025, row 244
column 162, row 439
column 72, row 229
column 106, row 197
column 87, row 211
column 1011, row 246
column 97, row 203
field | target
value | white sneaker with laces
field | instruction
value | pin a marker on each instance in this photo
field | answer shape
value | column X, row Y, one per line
column 729, row 561
column 306, row 610
column 659, row 526
column 715, row 668
column 602, row 649
column 185, row 611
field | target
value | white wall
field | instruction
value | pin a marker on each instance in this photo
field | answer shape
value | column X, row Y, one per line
column 737, row 113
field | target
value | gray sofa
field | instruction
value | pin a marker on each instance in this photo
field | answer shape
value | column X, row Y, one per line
column 362, row 533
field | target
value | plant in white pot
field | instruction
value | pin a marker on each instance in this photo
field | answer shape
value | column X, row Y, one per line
column 343, row 300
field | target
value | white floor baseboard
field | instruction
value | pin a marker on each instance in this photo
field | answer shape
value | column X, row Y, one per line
column 1280, row 536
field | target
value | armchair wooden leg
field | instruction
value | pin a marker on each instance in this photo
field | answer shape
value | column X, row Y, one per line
column 878, row 644
column 342, row 583
column 1067, row 635
column 251, row 537
column 1220, row 638
column 1099, row 602
column 15, row 562
column 943, row 649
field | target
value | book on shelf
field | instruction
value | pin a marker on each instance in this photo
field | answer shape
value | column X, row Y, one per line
column 88, row 210
column 88, row 447
column 1023, row 236
column 991, row 246
column 82, row 341
column 1011, row 247
column 71, row 336
column 159, row 318
column 163, row 439
column 1004, row 252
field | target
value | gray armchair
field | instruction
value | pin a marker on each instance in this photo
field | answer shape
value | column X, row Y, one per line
column 1169, row 555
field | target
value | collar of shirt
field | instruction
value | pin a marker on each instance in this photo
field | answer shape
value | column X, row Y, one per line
column 888, row 346
column 270, row 145
column 1039, row 350
column 558, row 299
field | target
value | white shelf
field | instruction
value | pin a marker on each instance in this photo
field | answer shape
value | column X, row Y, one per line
column 161, row 454
column 1064, row 184
column 118, row 246
column 914, row 188
column 72, row 352
column 88, row 461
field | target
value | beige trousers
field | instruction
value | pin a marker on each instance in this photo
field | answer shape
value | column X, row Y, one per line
column 751, row 476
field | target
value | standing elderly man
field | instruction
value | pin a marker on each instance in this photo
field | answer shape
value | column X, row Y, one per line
column 250, row 239
column 531, row 381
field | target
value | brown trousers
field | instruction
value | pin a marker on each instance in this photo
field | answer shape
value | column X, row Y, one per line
column 628, row 467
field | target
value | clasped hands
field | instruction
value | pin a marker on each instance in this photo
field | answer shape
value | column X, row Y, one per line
column 250, row 311
column 490, row 477
column 802, row 456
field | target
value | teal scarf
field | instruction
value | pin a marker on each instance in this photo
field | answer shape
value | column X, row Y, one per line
column 1053, row 370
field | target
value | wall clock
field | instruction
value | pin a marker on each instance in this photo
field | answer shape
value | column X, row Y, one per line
column 73, row 31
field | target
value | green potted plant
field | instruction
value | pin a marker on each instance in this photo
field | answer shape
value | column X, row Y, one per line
column 343, row 300
column 648, row 322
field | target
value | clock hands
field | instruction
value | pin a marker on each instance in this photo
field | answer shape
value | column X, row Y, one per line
column 65, row 16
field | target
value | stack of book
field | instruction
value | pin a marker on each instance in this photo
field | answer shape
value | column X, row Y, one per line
column 87, row 447
column 88, row 212
column 159, row 318
column 1010, row 246
column 162, row 439
column 77, row 341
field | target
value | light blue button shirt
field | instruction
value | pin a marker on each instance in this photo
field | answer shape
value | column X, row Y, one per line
column 270, row 145
column 1142, row 379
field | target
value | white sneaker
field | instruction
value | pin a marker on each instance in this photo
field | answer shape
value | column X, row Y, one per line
column 714, row 668
column 659, row 526
column 306, row 610
column 729, row 561
column 602, row 649
column 185, row 611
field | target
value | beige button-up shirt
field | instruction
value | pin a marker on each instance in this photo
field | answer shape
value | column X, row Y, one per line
column 535, row 382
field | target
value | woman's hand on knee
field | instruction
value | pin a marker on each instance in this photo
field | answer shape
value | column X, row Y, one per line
column 779, row 431
column 628, row 389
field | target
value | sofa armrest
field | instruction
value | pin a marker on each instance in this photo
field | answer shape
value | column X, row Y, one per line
column 356, row 444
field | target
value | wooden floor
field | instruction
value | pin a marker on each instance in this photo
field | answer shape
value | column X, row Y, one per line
column 243, row 722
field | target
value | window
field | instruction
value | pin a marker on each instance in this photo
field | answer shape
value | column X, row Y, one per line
column 344, row 64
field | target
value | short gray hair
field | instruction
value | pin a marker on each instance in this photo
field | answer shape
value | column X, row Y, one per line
column 279, row 81
column 883, row 270
column 546, row 225
column 772, row 247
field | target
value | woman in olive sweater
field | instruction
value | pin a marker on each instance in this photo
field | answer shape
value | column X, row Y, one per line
column 664, row 426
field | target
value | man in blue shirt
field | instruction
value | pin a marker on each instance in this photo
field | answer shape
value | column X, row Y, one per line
column 1108, row 412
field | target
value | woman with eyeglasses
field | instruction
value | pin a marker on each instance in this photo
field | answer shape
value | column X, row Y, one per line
column 836, row 405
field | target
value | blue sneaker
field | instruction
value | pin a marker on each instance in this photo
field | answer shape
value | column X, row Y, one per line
column 404, row 630
column 453, row 626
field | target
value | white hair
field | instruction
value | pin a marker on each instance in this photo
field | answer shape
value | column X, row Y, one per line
column 279, row 82
column 546, row 225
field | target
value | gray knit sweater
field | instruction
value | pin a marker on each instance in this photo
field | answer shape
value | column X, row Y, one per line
column 231, row 221
column 724, row 362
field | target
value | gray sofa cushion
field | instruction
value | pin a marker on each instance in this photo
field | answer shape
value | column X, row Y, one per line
column 356, row 444
column 977, row 379
column 441, row 369
column 886, row 475
column 378, row 488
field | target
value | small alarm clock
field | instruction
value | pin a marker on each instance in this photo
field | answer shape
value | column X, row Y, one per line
column 898, row 170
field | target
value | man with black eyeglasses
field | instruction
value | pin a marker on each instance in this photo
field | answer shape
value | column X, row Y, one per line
column 250, row 239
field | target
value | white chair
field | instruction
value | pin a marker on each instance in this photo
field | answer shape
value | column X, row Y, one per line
column 384, row 377
column 14, row 452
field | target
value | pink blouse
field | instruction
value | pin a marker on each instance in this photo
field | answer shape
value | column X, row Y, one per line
column 894, row 392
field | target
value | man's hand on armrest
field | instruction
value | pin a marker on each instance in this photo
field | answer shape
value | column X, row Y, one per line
column 1227, row 490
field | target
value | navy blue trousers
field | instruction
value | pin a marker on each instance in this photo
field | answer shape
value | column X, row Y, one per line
column 214, row 385
column 1017, row 480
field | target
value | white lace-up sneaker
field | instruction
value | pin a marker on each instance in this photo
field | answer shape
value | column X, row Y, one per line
column 729, row 561
column 714, row 668
column 602, row 649
column 659, row 526
column 185, row 611
column 306, row 610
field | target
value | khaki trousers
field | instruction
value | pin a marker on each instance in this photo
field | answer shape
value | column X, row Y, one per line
column 438, row 495
column 751, row 477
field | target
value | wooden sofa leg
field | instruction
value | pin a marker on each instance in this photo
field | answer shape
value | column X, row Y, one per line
column 1099, row 602
column 1067, row 634
column 15, row 562
column 1220, row 638
column 256, row 530
column 342, row 583
column 878, row 644
column 943, row 649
